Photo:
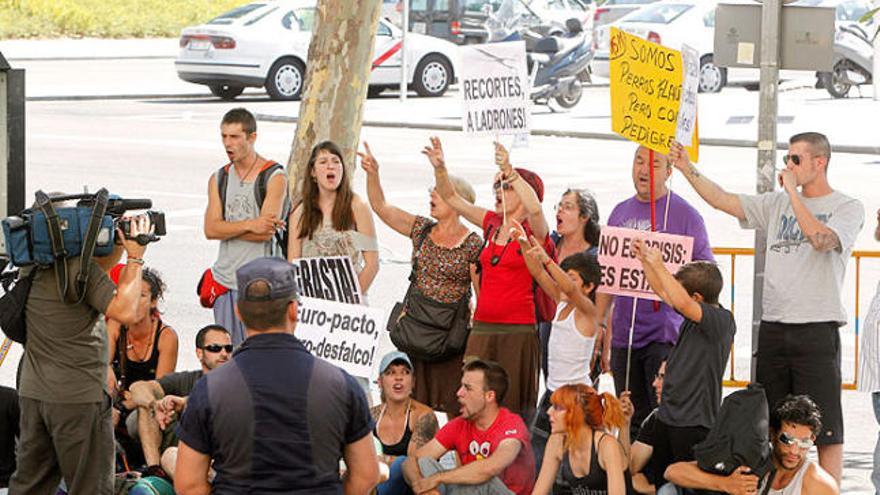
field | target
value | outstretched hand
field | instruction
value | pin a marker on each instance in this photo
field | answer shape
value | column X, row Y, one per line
column 678, row 156
column 368, row 161
column 435, row 153
column 502, row 159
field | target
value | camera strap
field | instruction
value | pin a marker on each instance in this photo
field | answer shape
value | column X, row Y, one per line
column 44, row 203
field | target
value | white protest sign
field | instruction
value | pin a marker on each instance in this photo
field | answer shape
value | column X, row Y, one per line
column 495, row 89
column 346, row 335
column 332, row 278
column 622, row 272
column 687, row 111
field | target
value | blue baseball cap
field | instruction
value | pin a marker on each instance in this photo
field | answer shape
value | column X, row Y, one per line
column 394, row 357
column 277, row 273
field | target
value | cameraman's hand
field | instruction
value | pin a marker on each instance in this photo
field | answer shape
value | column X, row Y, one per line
column 140, row 224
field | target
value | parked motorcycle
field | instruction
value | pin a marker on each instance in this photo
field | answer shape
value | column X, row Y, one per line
column 853, row 61
column 558, row 57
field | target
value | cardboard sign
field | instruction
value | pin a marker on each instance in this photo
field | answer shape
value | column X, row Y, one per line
column 622, row 273
column 690, row 85
column 646, row 91
column 495, row 89
column 346, row 335
column 332, row 278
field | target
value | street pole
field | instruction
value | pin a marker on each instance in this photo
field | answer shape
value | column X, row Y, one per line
column 405, row 28
column 771, row 14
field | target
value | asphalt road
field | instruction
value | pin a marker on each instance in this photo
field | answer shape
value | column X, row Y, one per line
column 166, row 149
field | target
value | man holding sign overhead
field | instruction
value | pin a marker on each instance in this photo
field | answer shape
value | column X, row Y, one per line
column 810, row 235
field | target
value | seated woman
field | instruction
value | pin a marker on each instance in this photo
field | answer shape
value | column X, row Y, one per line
column 402, row 424
column 146, row 350
column 591, row 459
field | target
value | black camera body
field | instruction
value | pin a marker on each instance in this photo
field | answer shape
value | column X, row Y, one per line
column 157, row 219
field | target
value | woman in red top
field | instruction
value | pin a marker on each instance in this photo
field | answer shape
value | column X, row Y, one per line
column 505, row 319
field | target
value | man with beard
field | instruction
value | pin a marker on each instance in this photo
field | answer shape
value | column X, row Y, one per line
column 167, row 394
column 492, row 443
column 794, row 424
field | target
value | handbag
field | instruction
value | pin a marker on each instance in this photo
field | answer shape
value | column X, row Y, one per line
column 12, row 306
column 426, row 329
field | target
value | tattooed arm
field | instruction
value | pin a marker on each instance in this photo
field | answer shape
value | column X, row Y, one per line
column 821, row 237
column 711, row 192
column 425, row 428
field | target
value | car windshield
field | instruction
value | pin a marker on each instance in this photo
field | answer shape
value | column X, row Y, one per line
column 658, row 14
column 236, row 14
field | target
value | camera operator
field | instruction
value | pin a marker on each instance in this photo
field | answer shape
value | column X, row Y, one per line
column 66, row 413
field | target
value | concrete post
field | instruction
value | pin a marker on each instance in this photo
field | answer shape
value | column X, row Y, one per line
column 12, row 173
column 771, row 15
column 876, row 69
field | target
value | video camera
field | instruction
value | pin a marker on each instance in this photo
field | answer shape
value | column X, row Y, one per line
column 40, row 234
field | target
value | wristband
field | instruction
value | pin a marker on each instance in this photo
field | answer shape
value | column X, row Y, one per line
column 139, row 261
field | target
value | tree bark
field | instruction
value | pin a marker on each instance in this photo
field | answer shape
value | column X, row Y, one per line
column 337, row 75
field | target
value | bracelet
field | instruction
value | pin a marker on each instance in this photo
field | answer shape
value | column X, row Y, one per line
column 139, row 261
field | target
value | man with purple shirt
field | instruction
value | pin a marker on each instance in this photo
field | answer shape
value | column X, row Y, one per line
column 656, row 324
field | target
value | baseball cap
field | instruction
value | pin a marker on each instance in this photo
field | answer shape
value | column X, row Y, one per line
column 394, row 357
column 277, row 273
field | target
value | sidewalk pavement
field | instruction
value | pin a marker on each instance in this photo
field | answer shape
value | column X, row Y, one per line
column 88, row 49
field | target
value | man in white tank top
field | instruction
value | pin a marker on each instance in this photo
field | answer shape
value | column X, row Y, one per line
column 794, row 423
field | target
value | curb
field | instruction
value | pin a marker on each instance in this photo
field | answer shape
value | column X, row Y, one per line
column 607, row 136
column 147, row 96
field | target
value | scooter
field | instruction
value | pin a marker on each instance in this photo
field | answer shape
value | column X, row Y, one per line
column 853, row 62
column 558, row 60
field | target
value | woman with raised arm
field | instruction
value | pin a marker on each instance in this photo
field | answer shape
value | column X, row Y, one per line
column 332, row 220
column 445, row 252
column 505, row 320
column 591, row 459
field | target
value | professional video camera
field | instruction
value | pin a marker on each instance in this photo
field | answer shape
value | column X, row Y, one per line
column 43, row 234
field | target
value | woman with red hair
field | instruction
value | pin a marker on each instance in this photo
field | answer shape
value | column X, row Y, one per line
column 591, row 459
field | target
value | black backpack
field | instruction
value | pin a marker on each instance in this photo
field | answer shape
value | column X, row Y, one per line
column 740, row 435
column 260, row 186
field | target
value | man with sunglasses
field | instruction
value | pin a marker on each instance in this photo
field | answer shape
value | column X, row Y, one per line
column 158, row 402
column 811, row 230
column 794, row 424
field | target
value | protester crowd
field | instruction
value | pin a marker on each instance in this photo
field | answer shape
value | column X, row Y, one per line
column 504, row 300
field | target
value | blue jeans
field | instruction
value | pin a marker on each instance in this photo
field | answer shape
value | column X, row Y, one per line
column 875, row 473
column 396, row 484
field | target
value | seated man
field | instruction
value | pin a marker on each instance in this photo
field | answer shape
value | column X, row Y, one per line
column 794, row 424
column 492, row 442
column 213, row 348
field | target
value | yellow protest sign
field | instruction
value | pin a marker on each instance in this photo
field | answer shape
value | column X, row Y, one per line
column 646, row 89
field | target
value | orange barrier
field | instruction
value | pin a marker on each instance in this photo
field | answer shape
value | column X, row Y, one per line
column 732, row 381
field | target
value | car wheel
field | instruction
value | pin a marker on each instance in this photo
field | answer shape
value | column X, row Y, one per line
column 712, row 77
column 285, row 79
column 432, row 76
column 835, row 82
column 226, row 92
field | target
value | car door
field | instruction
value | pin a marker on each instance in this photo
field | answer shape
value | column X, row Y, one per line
column 386, row 56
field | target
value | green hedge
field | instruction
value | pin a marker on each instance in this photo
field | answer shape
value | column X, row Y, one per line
column 105, row 18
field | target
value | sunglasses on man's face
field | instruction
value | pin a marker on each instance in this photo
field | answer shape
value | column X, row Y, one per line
column 803, row 443
column 796, row 159
column 215, row 348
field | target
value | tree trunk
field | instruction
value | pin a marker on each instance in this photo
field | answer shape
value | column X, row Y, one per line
column 337, row 74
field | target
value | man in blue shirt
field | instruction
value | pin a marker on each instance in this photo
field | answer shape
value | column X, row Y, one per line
column 275, row 419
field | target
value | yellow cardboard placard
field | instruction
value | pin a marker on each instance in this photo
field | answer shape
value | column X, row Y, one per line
column 645, row 84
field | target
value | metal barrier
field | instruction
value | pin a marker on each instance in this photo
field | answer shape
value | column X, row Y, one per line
column 732, row 381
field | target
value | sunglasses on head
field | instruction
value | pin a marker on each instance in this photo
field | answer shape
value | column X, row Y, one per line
column 217, row 348
column 498, row 185
column 803, row 443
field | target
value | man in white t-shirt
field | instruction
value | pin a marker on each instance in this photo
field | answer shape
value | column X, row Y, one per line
column 811, row 230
